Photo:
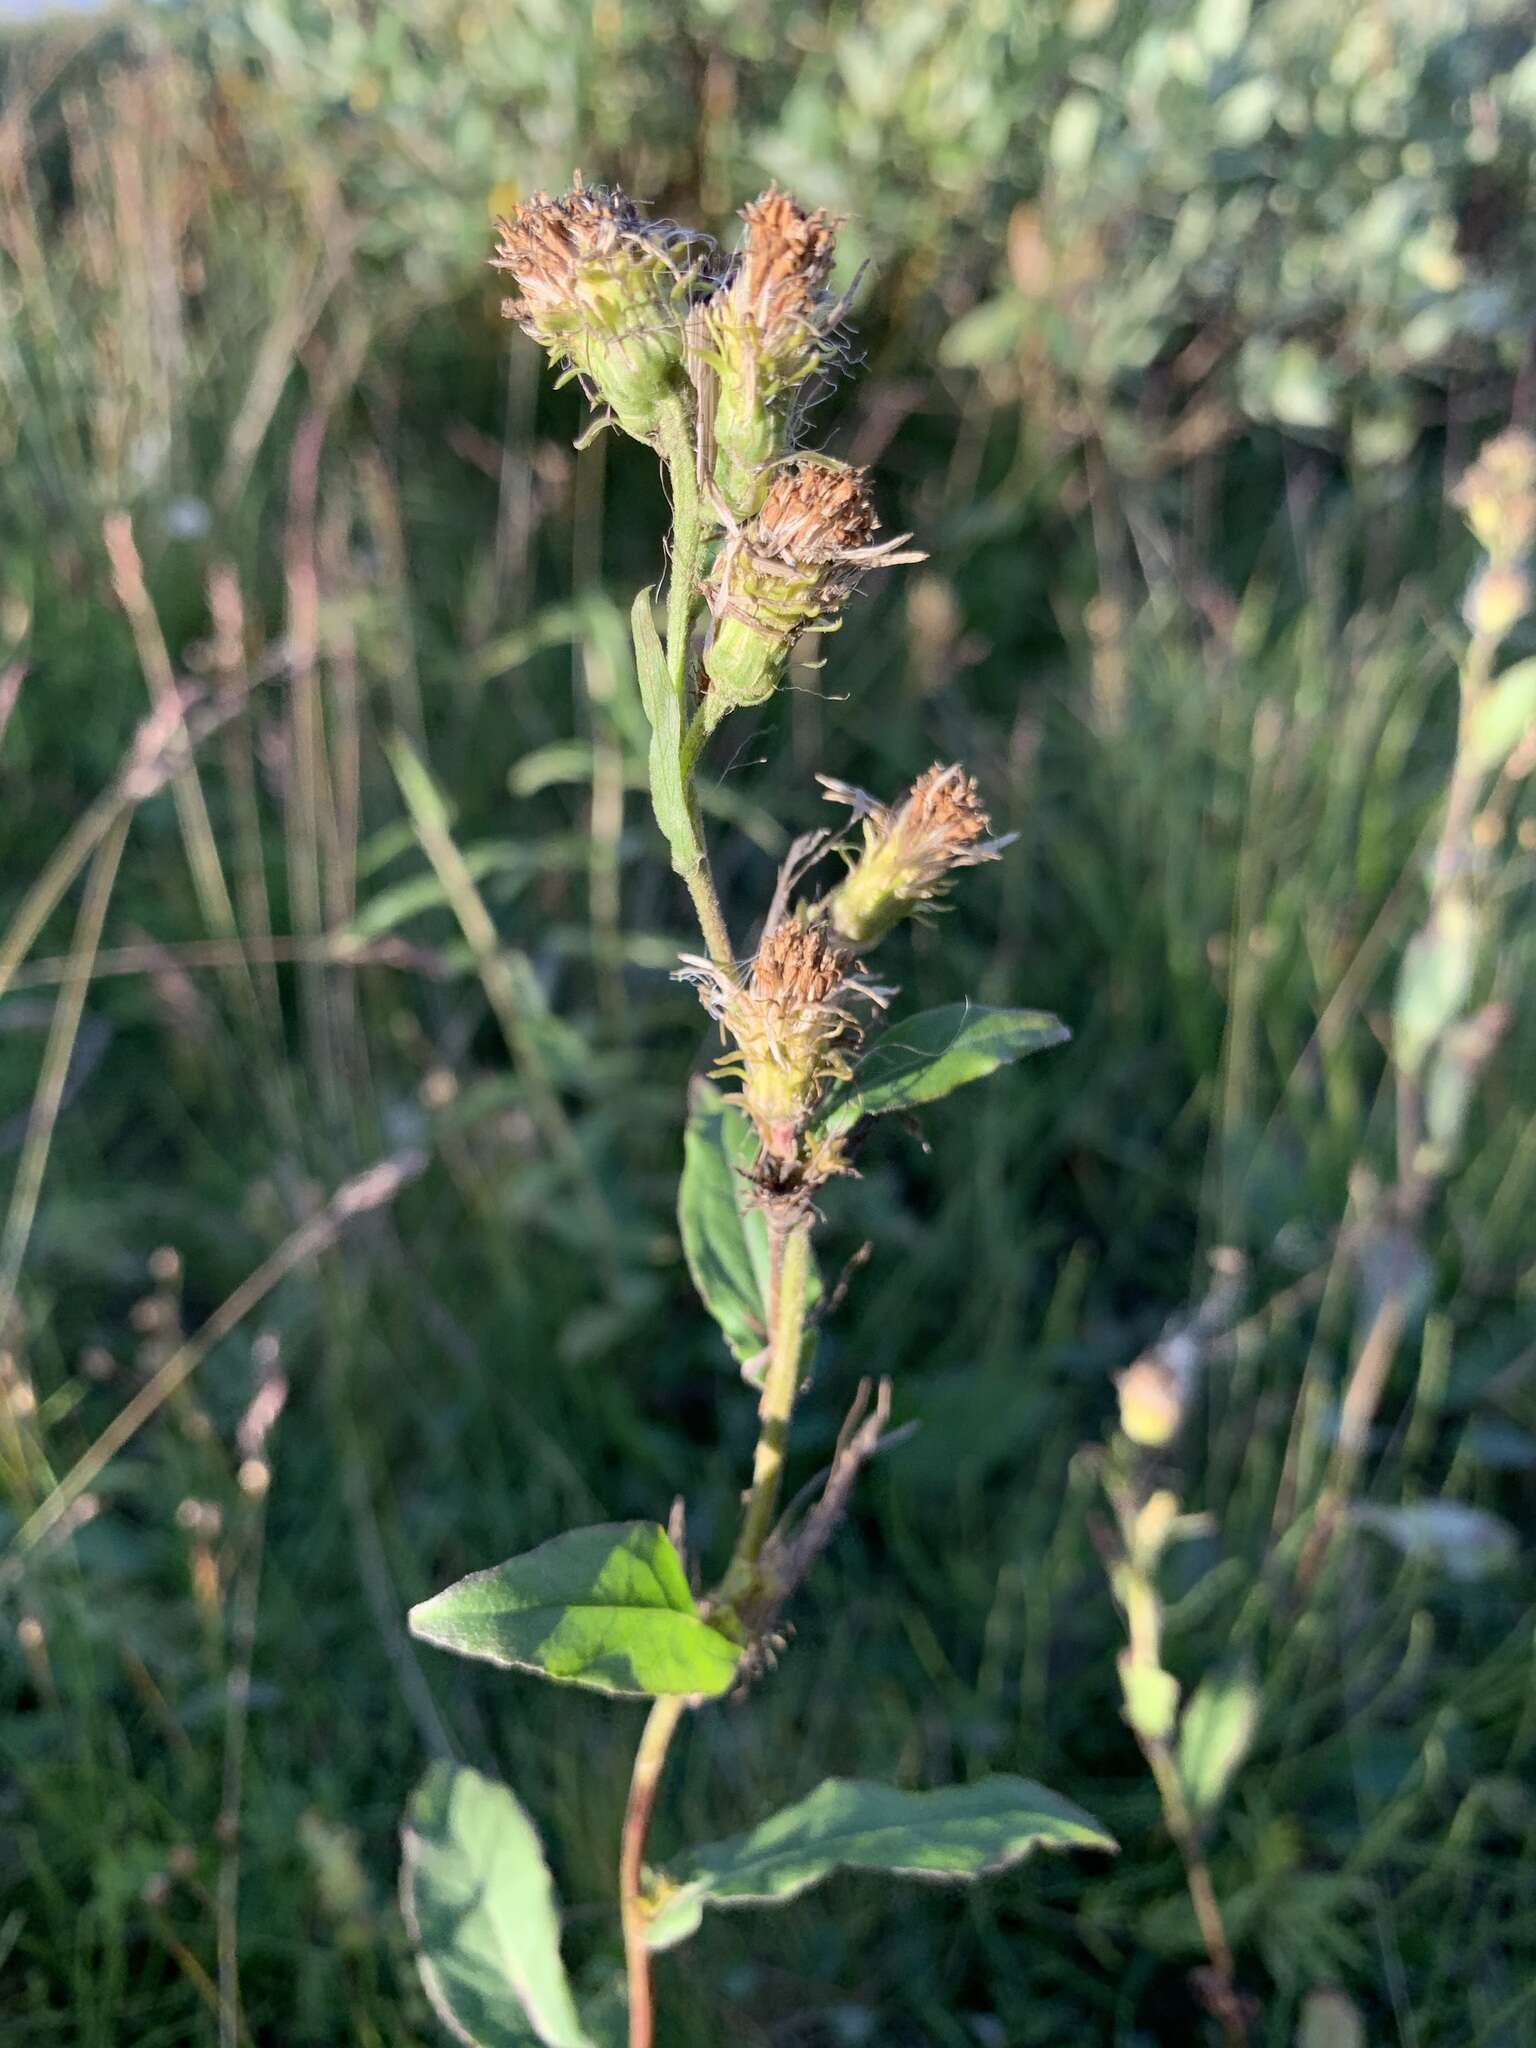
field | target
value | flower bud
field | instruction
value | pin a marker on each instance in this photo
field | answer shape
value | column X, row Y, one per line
column 1497, row 496
column 910, row 852
column 1498, row 599
column 605, row 291
column 766, row 334
column 792, row 567
column 1151, row 1395
column 791, row 1024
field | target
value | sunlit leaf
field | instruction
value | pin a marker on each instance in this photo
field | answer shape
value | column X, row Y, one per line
column 607, row 1607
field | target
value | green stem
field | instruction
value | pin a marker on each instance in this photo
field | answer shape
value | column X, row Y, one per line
column 650, row 1759
column 788, row 1276
column 690, row 539
column 789, row 1272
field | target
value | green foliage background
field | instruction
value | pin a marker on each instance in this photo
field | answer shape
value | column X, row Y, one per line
column 1175, row 324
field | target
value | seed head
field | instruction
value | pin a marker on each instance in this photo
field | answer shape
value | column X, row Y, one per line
column 791, row 1024
column 910, row 852
column 767, row 334
column 605, row 291
column 792, row 567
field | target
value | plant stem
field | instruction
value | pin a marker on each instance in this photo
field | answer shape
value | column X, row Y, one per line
column 650, row 1758
column 788, row 1274
column 690, row 538
column 1202, row 1893
column 789, row 1271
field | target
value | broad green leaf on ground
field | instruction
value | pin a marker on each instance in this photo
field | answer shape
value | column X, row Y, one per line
column 959, row 1832
column 666, row 721
column 607, row 1607
column 480, row 1906
column 1216, row 1731
column 725, row 1237
column 934, row 1053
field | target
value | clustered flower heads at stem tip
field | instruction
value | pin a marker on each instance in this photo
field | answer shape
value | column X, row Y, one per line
column 649, row 315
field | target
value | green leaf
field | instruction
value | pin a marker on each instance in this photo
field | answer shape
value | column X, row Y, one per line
column 1151, row 1698
column 1215, row 1735
column 1503, row 716
column 934, row 1053
column 1439, row 966
column 665, row 715
column 725, row 1235
column 960, row 1831
column 480, row 1906
column 607, row 1607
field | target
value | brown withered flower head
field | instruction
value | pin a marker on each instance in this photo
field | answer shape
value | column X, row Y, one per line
column 791, row 1024
column 792, row 567
column 767, row 334
column 605, row 291
column 911, row 851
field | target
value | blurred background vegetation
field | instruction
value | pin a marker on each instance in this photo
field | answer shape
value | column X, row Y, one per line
column 1177, row 320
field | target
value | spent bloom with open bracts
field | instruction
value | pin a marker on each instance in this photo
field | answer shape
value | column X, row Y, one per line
column 790, row 568
column 791, row 1026
column 766, row 334
column 606, row 291
column 911, row 851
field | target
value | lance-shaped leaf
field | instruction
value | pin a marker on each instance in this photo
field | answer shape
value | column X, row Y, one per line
column 934, row 1053
column 1216, row 1731
column 607, row 1607
column 725, row 1235
column 480, row 1905
column 957, row 1832
column 665, row 715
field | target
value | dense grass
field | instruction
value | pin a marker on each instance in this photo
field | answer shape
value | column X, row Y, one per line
column 1217, row 707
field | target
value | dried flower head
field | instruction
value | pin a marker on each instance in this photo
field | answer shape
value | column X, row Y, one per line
column 794, row 566
column 605, row 291
column 1497, row 496
column 767, row 334
column 910, row 852
column 791, row 1024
